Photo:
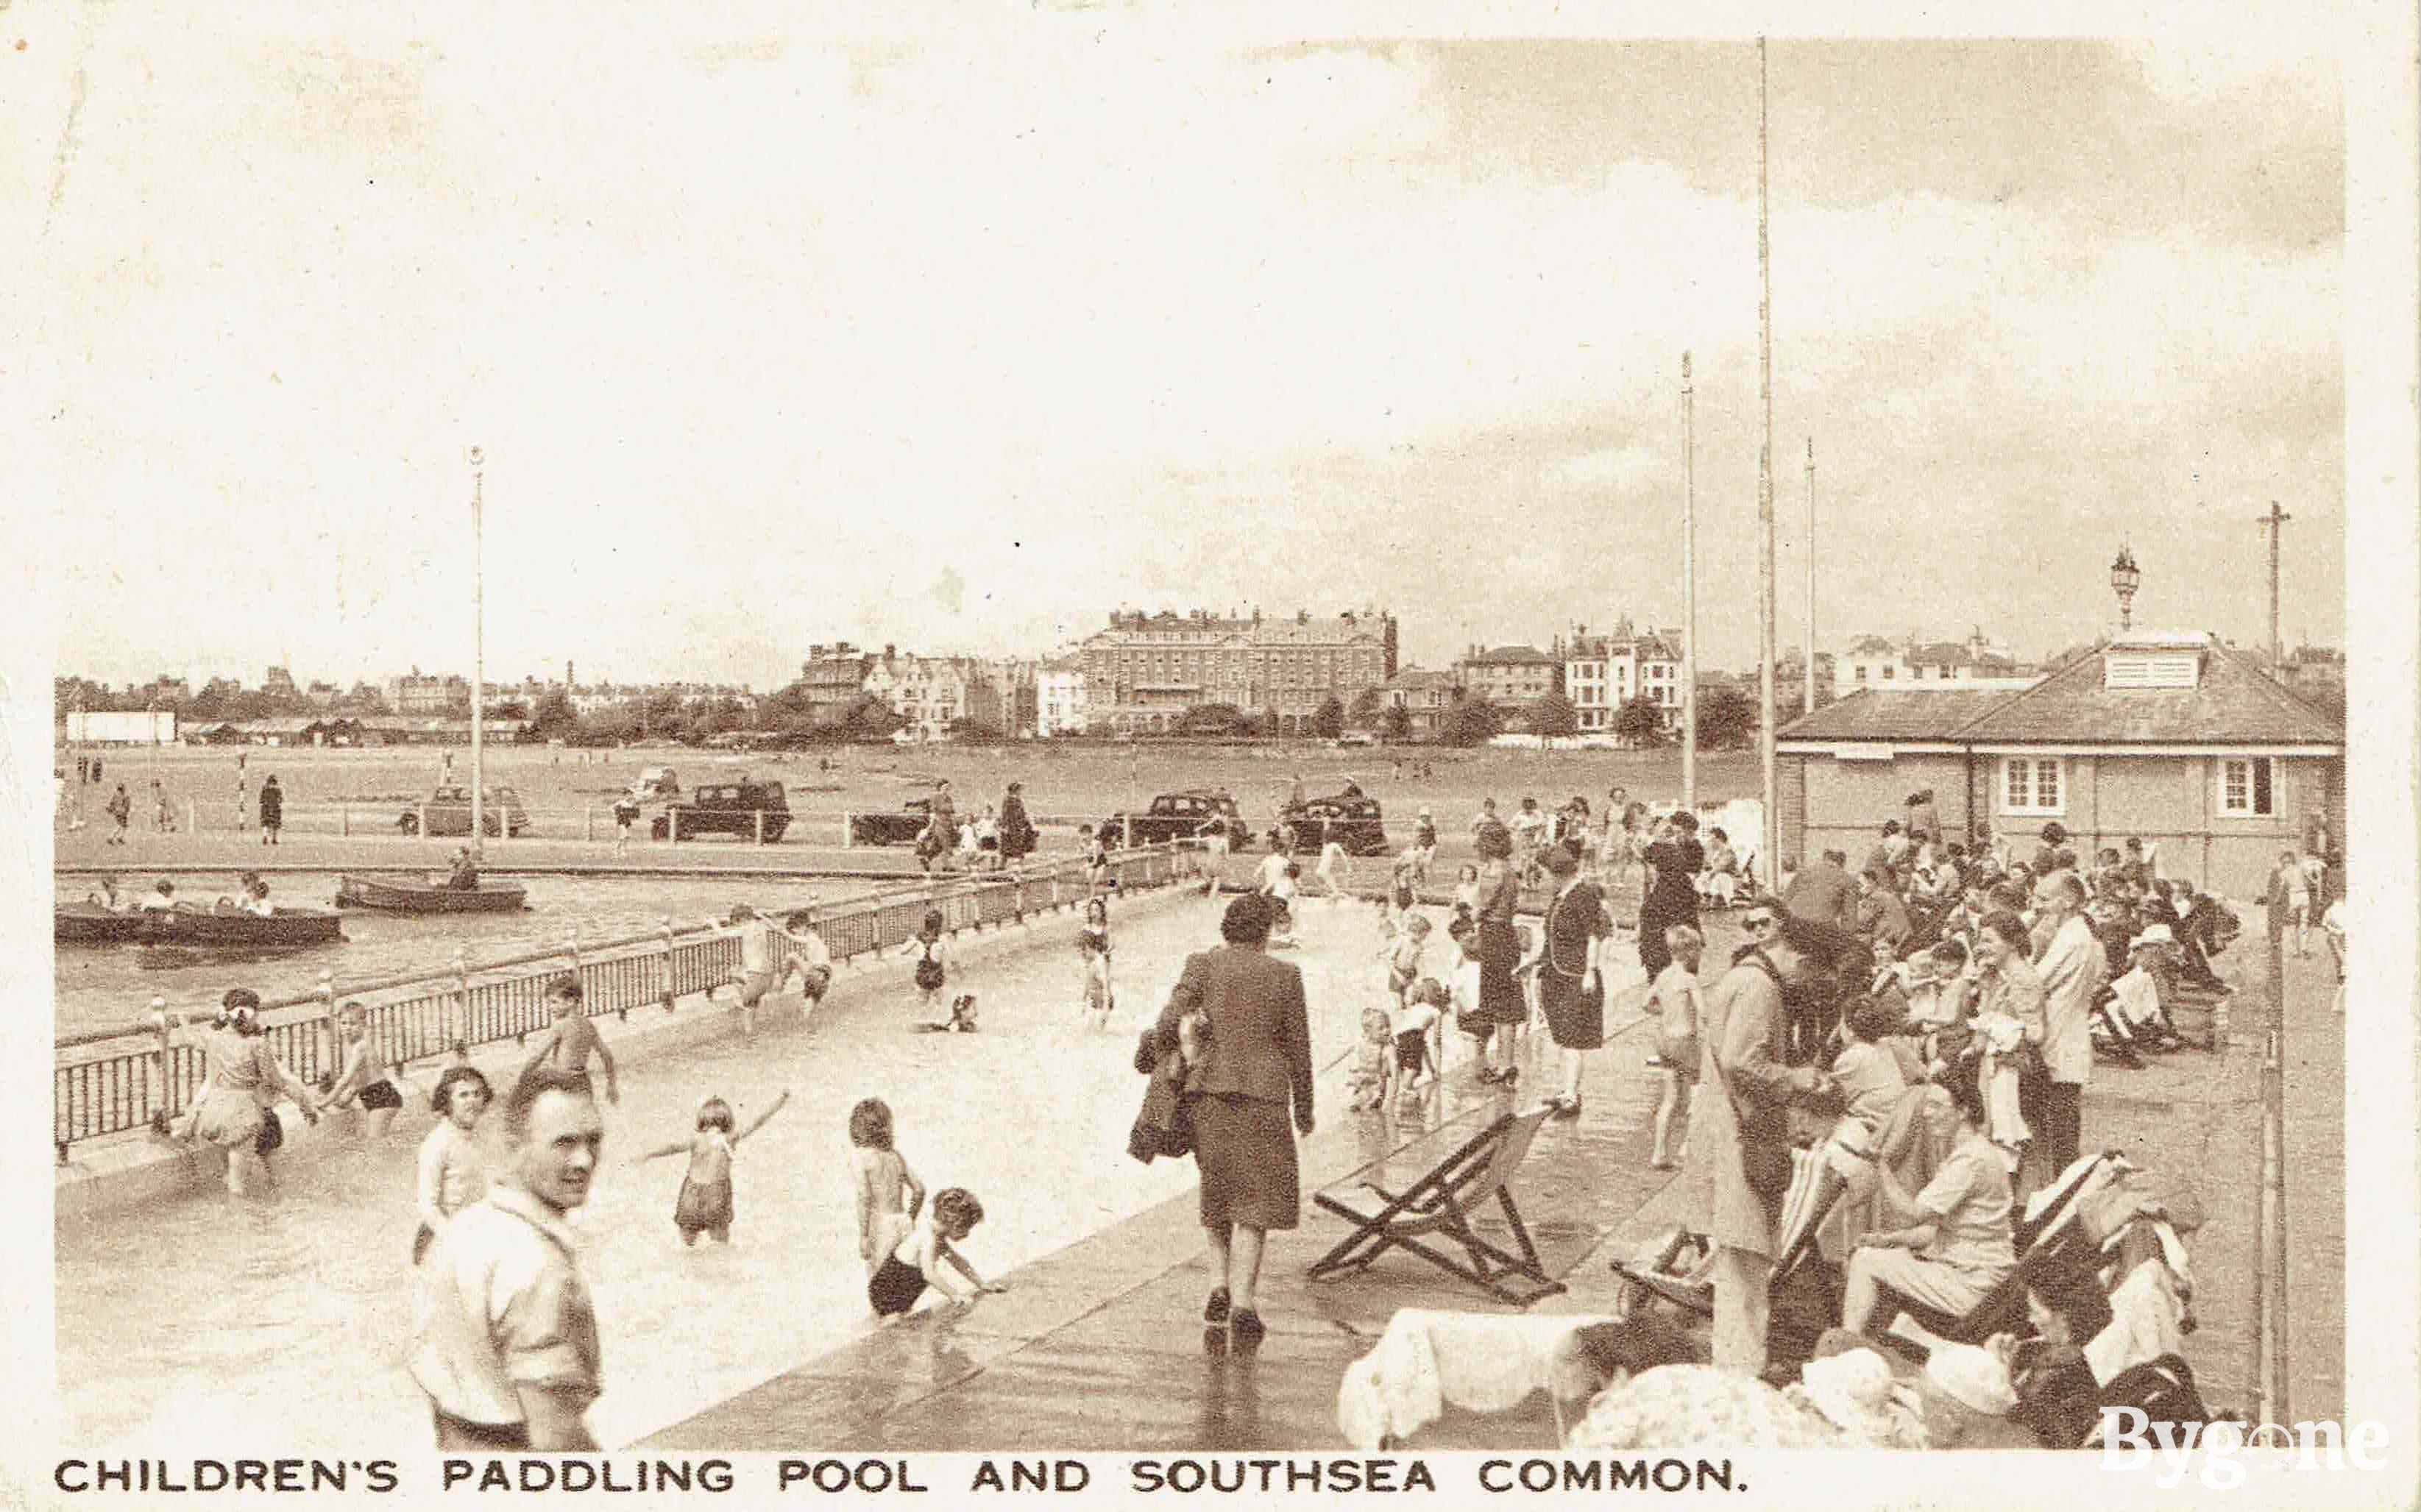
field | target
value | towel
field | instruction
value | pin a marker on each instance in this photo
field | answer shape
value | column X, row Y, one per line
column 1479, row 1361
column 2147, row 1315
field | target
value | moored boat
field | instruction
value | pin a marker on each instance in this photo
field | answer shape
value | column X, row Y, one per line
column 89, row 924
column 424, row 897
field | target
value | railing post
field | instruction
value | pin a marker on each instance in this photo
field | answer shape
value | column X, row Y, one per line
column 458, row 1013
column 760, row 826
column 668, row 962
column 167, row 1081
column 1130, row 829
column 589, row 822
column 344, row 819
column 672, row 824
column 847, row 829
column 327, row 991
column 191, row 821
column 423, row 808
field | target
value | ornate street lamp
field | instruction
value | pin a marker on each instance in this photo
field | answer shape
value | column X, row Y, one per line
column 2123, row 579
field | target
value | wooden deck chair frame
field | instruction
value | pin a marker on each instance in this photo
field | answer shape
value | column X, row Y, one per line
column 1441, row 1205
column 2049, row 1239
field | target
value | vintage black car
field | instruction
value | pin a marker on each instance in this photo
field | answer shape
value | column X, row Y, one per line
column 892, row 829
column 448, row 812
column 1349, row 819
column 1184, row 816
column 727, row 808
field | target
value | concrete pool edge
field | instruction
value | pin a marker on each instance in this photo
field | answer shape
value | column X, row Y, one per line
column 131, row 1170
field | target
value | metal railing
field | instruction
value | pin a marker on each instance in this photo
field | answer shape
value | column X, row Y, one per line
column 117, row 1082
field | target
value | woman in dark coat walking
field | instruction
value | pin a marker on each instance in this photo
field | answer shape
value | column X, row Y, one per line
column 1250, row 1009
column 1016, row 830
column 1502, row 1010
column 1675, row 858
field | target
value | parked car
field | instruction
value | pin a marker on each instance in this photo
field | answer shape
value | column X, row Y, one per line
column 1349, row 819
column 729, row 808
column 1183, row 816
column 892, row 829
column 449, row 813
column 655, row 782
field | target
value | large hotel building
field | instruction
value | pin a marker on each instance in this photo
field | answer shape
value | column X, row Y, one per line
column 1144, row 671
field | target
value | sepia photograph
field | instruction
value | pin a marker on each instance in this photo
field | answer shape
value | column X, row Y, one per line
column 1056, row 753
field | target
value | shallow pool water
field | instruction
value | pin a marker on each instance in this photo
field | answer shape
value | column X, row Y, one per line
column 185, row 1321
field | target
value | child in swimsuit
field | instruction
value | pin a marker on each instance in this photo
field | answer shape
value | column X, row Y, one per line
column 1373, row 1056
column 889, row 1196
column 704, row 1205
column 1093, row 949
column 366, row 1082
column 931, row 973
column 927, row 1256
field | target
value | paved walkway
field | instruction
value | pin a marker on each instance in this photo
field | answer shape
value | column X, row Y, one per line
column 1101, row 1347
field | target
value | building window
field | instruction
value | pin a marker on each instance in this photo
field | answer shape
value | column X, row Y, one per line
column 1889, row 673
column 2033, row 785
column 1861, row 673
column 2247, row 787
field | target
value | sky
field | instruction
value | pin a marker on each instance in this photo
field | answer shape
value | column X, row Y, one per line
column 960, row 340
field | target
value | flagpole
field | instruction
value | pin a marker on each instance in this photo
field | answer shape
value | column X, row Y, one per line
column 1766, row 615
column 1807, row 698
column 478, row 647
column 1690, row 593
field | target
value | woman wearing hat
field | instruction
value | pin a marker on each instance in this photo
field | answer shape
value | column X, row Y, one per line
column 1571, row 991
column 1501, row 1012
column 240, row 1085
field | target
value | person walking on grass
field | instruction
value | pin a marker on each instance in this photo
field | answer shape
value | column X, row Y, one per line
column 1259, row 1068
column 121, row 808
column 503, row 1342
column 272, row 809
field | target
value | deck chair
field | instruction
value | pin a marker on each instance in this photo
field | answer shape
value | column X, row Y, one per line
column 2046, row 1240
column 1441, row 1205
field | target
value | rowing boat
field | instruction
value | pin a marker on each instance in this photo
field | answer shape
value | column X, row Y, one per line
column 421, row 897
column 90, row 925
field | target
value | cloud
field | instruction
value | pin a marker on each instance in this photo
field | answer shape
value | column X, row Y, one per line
column 791, row 336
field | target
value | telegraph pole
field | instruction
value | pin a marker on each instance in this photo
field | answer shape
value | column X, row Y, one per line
column 478, row 645
column 1772, row 839
column 1689, row 592
column 2271, row 521
column 1807, row 699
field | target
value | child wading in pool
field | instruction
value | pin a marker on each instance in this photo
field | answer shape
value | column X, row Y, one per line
column 1093, row 949
column 366, row 1081
column 704, row 1205
column 889, row 1196
column 925, row 1257
column 931, row 974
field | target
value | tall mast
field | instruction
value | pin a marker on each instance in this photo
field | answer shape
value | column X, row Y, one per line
column 478, row 645
column 1771, row 849
column 1689, row 592
column 1808, row 700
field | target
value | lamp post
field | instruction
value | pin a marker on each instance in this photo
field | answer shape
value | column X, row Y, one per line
column 2124, row 577
column 479, row 646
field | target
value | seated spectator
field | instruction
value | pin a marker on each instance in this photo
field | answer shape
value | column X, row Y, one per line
column 163, row 897
column 1958, row 1248
column 1719, row 884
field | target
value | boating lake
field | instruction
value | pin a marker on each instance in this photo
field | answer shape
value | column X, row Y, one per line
column 110, row 987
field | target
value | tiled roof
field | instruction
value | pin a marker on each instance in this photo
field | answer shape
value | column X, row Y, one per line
column 2235, row 702
column 1873, row 714
column 1510, row 656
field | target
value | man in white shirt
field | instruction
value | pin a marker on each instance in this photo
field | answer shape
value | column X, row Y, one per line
column 503, row 1340
column 2072, row 967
